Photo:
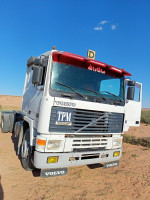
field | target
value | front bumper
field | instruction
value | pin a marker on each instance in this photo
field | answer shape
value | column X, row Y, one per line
column 74, row 158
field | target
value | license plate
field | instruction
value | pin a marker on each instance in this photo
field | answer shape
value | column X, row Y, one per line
column 53, row 172
column 111, row 164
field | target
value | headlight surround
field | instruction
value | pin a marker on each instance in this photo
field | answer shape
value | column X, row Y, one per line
column 117, row 142
column 48, row 143
column 53, row 144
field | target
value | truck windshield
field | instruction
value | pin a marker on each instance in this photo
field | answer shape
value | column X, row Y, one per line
column 72, row 79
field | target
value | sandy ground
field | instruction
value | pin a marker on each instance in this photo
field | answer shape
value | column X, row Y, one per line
column 139, row 132
column 9, row 102
column 129, row 181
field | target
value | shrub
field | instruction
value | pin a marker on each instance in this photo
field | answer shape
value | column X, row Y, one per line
column 145, row 117
column 132, row 140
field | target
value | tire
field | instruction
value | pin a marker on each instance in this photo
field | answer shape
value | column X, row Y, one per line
column 5, row 123
column 12, row 121
column 26, row 152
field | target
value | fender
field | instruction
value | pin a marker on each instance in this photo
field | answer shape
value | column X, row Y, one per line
column 30, row 122
column 21, row 134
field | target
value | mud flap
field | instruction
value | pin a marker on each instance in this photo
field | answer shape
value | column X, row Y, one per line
column 111, row 164
column 53, row 172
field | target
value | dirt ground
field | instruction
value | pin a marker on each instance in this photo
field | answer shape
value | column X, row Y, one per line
column 10, row 102
column 129, row 181
column 139, row 132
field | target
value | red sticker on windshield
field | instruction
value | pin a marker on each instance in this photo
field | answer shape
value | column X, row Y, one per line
column 96, row 69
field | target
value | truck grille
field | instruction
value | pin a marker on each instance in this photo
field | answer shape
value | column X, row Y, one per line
column 87, row 121
column 87, row 143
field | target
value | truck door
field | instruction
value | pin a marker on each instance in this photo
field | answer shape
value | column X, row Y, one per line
column 133, row 107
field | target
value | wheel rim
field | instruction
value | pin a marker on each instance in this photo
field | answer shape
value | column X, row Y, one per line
column 25, row 149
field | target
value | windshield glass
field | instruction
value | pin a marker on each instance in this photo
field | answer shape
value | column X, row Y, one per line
column 86, row 82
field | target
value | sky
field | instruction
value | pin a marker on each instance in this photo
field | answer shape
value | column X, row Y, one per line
column 119, row 32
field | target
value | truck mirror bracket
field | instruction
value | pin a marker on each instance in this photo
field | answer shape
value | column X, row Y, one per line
column 131, row 83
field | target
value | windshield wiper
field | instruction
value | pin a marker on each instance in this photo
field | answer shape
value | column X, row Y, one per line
column 73, row 89
column 112, row 95
column 95, row 93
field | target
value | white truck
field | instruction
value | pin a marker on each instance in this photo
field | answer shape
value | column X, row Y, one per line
column 74, row 112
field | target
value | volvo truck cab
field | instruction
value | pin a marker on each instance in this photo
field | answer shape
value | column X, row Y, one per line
column 74, row 112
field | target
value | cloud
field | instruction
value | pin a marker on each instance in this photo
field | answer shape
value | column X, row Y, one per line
column 103, row 22
column 98, row 28
column 101, row 25
column 113, row 27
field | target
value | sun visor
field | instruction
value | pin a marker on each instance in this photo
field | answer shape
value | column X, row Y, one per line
column 76, row 60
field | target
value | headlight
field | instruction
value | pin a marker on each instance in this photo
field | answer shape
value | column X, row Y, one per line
column 53, row 144
column 117, row 142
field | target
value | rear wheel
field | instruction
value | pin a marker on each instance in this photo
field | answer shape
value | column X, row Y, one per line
column 26, row 152
column 12, row 121
column 8, row 122
column 5, row 123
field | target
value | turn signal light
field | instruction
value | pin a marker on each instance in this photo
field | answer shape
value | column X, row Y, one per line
column 41, row 142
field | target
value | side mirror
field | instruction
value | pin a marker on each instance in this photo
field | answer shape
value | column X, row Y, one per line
column 130, row 93
column 37, row 75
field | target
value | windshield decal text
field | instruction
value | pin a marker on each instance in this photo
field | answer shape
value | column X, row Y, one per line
column 96, row 69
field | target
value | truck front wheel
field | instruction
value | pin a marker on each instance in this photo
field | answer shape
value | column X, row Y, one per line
column 26, row 152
